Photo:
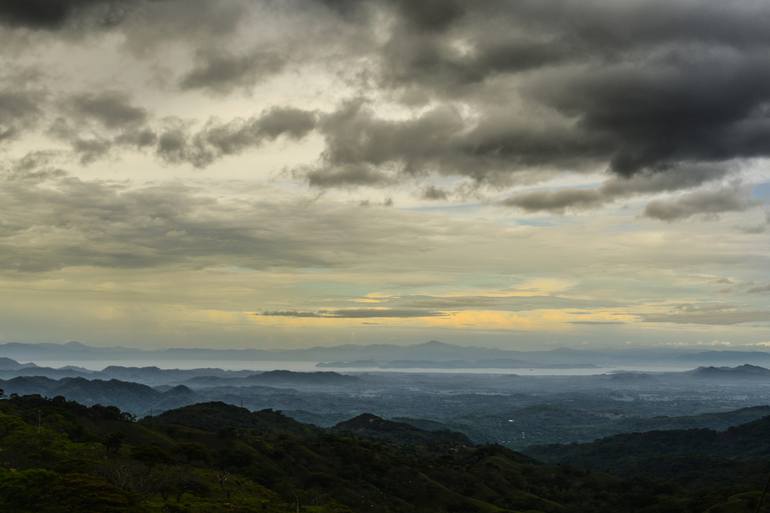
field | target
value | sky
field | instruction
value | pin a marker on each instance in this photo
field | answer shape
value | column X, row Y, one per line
column 289, row 173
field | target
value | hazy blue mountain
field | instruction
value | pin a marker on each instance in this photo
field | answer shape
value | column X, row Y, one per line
column 496, row 363
column 741, row 372
column 8, row 364
column 726, row 357
column 49, row 372
column 134, row 397
column 156, row 375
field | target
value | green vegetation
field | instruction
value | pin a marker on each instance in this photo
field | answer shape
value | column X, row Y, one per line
column 59, row 456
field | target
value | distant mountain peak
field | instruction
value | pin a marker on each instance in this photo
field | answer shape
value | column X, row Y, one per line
column 746, row 370
column 434, row 344
column 371, row 426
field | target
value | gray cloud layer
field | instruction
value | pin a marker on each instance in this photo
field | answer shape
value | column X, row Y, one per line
column 618, row 187
column 216, row 139
column 52, row 220
column 18, row 110
column 110, row 108
column 96, row 124
column 760, row 289
column 640, row 85
column 222, row 73
column 664, row 95
column 709, row 314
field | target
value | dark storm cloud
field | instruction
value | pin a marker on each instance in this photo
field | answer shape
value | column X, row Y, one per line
column 633, row 87
column 655, row 119
column 645, row 89
column 706, row 108
column 222, row 73
column 54, row 14
column 426, row 15
column 508, row 36
column 217, row 140
column 360, row 313
column 362, row 148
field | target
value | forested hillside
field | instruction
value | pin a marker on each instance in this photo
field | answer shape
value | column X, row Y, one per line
column 59, row 456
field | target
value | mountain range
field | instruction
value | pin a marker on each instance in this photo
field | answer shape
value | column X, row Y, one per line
column 432, row 352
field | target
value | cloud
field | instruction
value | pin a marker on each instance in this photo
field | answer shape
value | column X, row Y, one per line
column 701, row 202
column 347, row 175
column 355, row 313
column 499, row 92
column 597, row 323
column 710, row 316
column 54, row 14
column 683, row 85
column 556, row 201
column 618, row 187
column 355, row 136
column 760, row 289
column 439, row 140
column 216, row 140
column 680, row 117
column 221, row 73
column 19, row 110
column 434, row 193
column 52, row 220
column 498, row 302
column 112, row 109
column 95, row 124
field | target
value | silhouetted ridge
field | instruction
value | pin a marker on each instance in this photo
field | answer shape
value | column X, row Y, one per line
column 216, row 415
column 278, row 378
column 664, row 452
column 8, row 364
column 745, row 371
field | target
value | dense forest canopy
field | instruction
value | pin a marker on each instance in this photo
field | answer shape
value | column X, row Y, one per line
column 58, row 456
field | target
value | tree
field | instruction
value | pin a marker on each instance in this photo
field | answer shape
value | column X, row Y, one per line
column 114, row 442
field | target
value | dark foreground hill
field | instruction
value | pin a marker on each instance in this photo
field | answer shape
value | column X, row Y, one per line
column 703, row 460
column 62, row 457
